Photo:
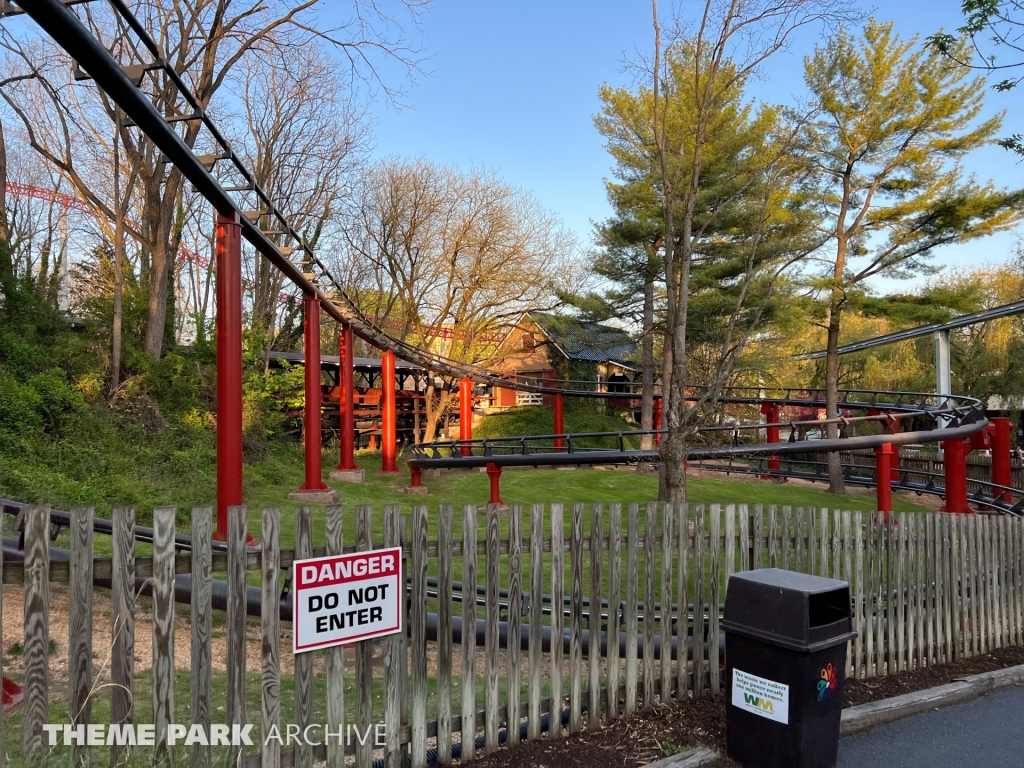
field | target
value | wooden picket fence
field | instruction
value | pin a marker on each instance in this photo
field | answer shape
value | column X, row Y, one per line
column 637, row 620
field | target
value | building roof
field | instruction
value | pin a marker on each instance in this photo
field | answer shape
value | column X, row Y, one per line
column 334, row 360
column 590, row 342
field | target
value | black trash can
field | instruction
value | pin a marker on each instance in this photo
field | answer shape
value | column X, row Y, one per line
column 785, row 655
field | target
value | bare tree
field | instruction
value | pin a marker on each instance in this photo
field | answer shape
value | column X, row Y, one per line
column 448, row 260
column 305, row 135
column 204, row 41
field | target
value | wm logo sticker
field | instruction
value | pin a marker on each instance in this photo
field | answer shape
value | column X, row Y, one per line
column 757, row 701
column 760, row 696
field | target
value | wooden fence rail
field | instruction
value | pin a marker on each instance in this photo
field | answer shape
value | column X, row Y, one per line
column 635, row 619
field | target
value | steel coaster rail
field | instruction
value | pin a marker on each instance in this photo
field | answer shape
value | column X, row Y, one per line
column 986, row 494
column 965, row 417
column 959, row 409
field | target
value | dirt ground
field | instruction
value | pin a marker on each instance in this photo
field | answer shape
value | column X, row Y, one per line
column 102, row 641
column 664, row 730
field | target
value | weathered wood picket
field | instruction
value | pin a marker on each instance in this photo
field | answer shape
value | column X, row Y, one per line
column 925, row 589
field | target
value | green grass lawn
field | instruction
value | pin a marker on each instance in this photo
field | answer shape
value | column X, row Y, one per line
column 527, row 486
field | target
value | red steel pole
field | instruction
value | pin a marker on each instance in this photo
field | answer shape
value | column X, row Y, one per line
column 955, row 468
column 771, row 414
column 895, row 463
column 1001, row 463
column 883, row 477
column 311, row 416
column 229, row 369
column 494, row 475
column 465, row 414
column 388, row 430
column 559, row 421
column 657, row 418
column 346, row 400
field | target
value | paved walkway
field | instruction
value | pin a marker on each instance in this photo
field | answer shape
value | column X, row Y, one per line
column 985, row 732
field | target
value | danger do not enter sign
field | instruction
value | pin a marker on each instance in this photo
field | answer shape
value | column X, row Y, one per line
column 346, row 598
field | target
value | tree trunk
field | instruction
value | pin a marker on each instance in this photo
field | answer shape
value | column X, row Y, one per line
column 647, row 368
column 666, row 383
column 836, row 483
column 6, row 262
column 115, row 353
column 270, row 340
column 156, row 317
column 434, row 411
column 4, row 233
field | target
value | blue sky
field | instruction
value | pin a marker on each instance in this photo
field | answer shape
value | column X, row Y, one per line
column 513, row 86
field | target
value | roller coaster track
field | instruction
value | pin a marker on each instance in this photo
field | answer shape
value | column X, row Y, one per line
column 960, row 417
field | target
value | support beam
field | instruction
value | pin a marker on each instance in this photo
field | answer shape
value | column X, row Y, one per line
column 771, row 414
column 347, row 470
column 465, row 415
column 895, row 461
column 1002, row 472
column 313, row 489
column 388, row 428
column 494, row 475
column 229, row 369
column 883, row 477
column 954, row 462
column 943, row 371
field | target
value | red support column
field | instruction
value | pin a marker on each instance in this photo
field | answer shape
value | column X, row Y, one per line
column 465, row 414
column 883, row 477
column 346, row 402
column 955, row 467
column 417, row 477
column 494, row 475
column 312, row 415
column 657, row 419
column 771, row 414
column 1001, row 463
column 559, row 421
column 229, row 369
column 895, row 461
column 313, row 489
column 388, row 430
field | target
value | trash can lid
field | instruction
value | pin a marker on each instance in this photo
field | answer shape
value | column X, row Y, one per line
column 789, row 609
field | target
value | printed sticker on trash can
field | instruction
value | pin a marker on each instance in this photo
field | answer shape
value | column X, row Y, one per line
column 766, row 698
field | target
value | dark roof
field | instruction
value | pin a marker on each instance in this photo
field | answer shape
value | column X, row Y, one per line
column 591, row 342
column 332, row 360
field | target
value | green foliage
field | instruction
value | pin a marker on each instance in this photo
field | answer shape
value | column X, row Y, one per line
column 893, row 124
column 746, row 221
column 179, row 383
column 66, row 440
column 993, row 25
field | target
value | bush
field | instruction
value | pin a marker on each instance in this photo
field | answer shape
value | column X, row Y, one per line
column 19, row 406
column 56, row 398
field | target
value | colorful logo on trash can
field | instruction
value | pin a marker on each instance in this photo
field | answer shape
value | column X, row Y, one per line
column 827, row 683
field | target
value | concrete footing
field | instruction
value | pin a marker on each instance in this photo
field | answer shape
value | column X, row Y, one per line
column 329, row 496
column 414, row 490
column 348, row 475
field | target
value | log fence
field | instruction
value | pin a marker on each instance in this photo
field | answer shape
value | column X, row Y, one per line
column 636, row 619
